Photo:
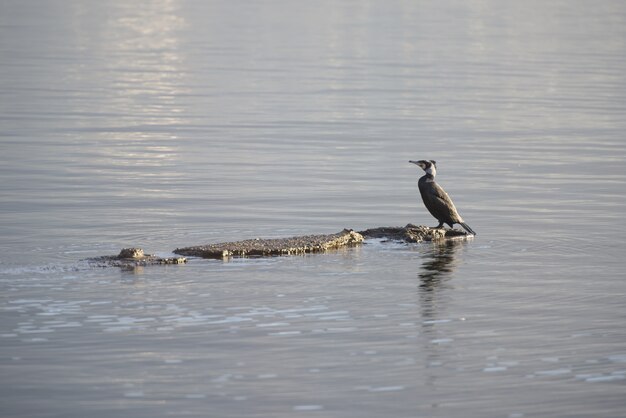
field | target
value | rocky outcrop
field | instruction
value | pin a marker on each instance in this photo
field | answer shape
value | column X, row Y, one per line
column 413, row 233
column 318, row 243
column 135, row 257
column 276, row 246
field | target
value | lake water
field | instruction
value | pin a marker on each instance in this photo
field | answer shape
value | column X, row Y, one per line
column 165, row 124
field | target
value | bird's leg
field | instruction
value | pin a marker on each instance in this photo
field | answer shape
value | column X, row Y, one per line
column 438, row 226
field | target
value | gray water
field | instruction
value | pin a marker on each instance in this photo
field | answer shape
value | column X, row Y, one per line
column 164, row 124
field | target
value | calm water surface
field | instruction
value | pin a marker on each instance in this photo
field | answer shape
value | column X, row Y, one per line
column 167, row 124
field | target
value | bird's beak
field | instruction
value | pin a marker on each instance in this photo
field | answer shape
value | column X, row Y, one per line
column 414, row 162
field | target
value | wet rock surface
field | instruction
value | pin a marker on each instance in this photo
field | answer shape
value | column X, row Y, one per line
column 275, row 246
column 132, row 257
column 413, row 233
column 135, row 257
column 318, row 243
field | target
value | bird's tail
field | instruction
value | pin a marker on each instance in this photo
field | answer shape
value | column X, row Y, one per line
column 467, row 228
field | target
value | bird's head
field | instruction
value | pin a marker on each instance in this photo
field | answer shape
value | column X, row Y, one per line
column 429, row 166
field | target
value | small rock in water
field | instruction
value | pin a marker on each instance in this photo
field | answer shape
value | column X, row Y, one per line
column 131, row 253
column 133, row 257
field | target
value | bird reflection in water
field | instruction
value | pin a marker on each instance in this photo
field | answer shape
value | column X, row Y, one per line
column 440, row 261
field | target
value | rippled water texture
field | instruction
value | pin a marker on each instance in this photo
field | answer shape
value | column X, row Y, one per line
column 165, row 124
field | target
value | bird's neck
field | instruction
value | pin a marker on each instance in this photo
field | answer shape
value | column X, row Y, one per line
column 428, row 177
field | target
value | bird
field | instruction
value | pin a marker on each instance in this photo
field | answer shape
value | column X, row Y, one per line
column 436, row 199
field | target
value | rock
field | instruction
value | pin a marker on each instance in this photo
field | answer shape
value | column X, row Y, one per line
column 131, row 253
column 133, row 257
column 275, row 246
column 413, row 233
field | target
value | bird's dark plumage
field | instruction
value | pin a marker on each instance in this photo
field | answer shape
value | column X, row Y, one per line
column 436, row 199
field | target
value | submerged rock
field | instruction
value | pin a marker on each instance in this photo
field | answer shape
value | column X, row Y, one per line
column 275, row 246
column 413, row 233
column 133, row 257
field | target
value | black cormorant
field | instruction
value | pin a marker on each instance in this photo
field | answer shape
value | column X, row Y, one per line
column 436, row 199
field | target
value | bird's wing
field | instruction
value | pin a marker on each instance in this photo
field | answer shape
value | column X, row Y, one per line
column 442, row 204
column 441, row 194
